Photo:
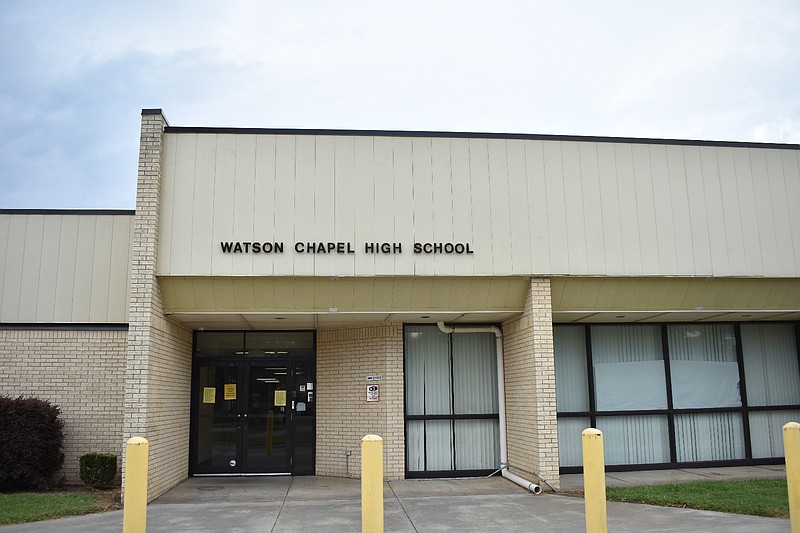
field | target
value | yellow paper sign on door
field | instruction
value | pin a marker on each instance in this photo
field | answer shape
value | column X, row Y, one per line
column 280, row 398
column 209, row 394
column 230, row 391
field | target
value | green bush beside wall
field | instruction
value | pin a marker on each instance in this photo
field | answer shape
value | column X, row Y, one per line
column 98, row 470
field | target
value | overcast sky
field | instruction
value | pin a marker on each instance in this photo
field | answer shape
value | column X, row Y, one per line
column 76, row 75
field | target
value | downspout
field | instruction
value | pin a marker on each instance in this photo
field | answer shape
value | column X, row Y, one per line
column 501, row 393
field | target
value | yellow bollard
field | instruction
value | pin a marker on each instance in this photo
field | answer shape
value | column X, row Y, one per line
column 372, row 484
column 134, row 511
column 791, row 449
column 594, row 481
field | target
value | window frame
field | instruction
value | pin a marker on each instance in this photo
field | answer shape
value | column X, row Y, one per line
column 452, row 417
column 671, row 412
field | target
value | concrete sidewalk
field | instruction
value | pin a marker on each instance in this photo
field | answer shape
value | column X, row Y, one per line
column 309, row 504
column 574, row 482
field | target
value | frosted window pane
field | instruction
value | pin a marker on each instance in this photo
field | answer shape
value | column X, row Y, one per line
column 702, row 342
column 770, row 364
column 635, row 440
column 477, row 444
column 570, row 451
column 415, row 441
column 618, row 344
column 704, row 384
column 439, row 444
column 703, row 366
column 709, row 437
column 427, row 366
column 474, row 373
column 628, row 368
column 630, row 386
column 766, row 432
column 572, row 392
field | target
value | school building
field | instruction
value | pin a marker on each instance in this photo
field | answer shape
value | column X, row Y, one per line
column 475, row 299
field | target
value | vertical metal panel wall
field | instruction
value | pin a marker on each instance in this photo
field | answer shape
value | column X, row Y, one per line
column 526, row 206
column 64, row 268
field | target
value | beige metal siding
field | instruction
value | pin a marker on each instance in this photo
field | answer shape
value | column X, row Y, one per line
column 676, row 294
column 198, row 294
column 12, row 230
column 527, row 207
column 59, row 268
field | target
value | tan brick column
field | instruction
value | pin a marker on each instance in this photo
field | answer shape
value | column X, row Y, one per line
column 530, row 385
column 345, row 357
column 158, row 372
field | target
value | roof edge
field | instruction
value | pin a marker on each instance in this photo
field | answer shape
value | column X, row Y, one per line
column 67, row 212
column 476, row 135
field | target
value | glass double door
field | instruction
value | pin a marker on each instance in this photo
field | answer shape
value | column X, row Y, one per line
column 253, row 417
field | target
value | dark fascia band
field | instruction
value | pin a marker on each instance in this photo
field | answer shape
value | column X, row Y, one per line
column 477, row 135
column 127, row 212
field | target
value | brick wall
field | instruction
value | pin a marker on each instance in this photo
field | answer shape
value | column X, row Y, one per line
column 529, row 366
column 80, row 371
column 159, row 361
column 345, row 357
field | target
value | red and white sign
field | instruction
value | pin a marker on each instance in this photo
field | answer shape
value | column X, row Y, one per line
column 373, row 393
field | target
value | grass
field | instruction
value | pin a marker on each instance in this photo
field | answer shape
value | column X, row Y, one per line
column 762, row 497
column 20, row 507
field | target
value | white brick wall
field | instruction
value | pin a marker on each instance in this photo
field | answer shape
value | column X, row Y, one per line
column 159, row 361
column 345, row 357
column 80, row 371
column 529, row 366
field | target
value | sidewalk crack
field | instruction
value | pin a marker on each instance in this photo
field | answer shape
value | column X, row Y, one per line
column 400, row 502
column 285, row 496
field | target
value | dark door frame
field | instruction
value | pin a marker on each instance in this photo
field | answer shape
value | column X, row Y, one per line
column 297, row 396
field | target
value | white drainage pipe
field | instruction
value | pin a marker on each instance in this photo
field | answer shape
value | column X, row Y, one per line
column 501, row 393
column 522, row 482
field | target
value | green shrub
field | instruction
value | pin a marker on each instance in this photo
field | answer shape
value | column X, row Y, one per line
column 98, row 470
column 31, row 443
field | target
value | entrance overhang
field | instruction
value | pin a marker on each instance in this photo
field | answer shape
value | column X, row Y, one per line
column 286, row 321
column 700, row 299
column 255, row 303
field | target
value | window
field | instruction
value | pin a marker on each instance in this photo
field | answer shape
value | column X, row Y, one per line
column 677, row 394
column 452, row 423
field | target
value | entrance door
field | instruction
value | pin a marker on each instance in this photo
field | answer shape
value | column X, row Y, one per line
column 253, row 417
